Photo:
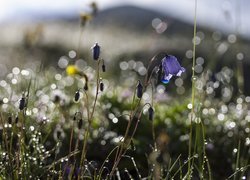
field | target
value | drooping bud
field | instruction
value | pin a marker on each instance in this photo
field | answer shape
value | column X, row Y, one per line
column 80, row 122
column 77, row 95
column 101, row 86
column 139, row 88
column 86, row 86
column 103, row 68
column 150, row 114
column 22, row 103
column 96, row 51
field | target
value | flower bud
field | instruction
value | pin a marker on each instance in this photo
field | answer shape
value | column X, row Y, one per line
column 96, row 51
column 22, row 103
column 139, row 89
column 150, row 114
column 77, row 95
column 103, row 68
column 101, row 86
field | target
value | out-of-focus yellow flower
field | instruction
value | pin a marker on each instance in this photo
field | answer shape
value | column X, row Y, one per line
column 85, row 18
column 72, row 70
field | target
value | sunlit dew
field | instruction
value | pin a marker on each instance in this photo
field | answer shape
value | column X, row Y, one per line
column 216, row 35
column 160, row 89
column 198, row 68
column 200, row 60
column 80, row 63
column 197, row 40
column 189, row 54
column 205, row 111
column 209, row 90
column 131, row 64
column 221, row 117
column 58, row 77
column 53, row 86
column 161, row 27
column 216, row 84
column 5, row 100
column 222, row 48
column 239, row 107
column 156, row 22
column 14, row 81
column 231, row 125
column 45, row 99
column 240, row 56
column 179, row 82
column 189, row 106
column 63, row 62
column 235, row 150
column 115, row 120
column 211, row 111
column 35, row 110
column 72, row 54
column 165, row 81
column 32, row 128
column 230, row 134
column 3, row 83
column 180, row 90
column 201, row 35
column 28, row 112
column 247, row 130
column 247, row 141
column 138, row 65
column 224, row 109
column 16, row 70
column 239, row 100
column 232, row 38
column 69, row 81
column 111, row 116
column 25, row 72
column 145, row 96
column 142, row 71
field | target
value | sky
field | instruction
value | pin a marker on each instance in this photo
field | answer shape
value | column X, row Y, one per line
column 228, row 15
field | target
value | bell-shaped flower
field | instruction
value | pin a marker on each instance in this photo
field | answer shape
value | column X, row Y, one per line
column 171, row 67
column 96, row 51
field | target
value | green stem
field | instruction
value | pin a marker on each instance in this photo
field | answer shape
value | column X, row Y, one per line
column 193, row 96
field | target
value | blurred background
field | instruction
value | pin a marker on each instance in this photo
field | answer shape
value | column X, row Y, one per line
column 34, row 31
column 40, row 38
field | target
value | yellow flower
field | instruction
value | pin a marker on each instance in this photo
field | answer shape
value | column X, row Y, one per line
column 72, row 70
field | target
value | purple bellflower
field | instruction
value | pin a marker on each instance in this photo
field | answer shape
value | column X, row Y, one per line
column 96, row 51
column 171, row 67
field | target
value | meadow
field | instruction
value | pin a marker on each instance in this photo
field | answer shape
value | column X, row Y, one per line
column 171, row 105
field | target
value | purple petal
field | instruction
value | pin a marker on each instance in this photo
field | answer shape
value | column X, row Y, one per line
column 171, row 65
